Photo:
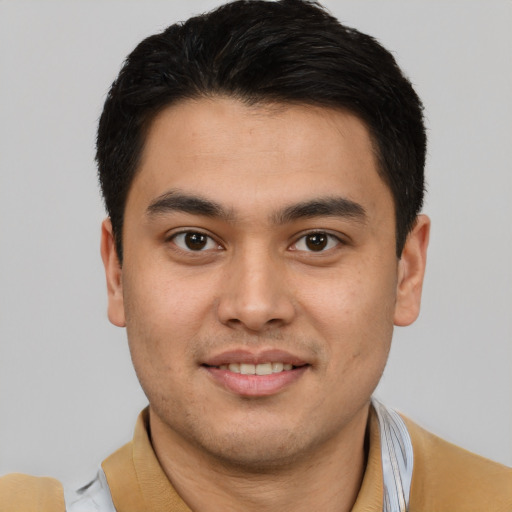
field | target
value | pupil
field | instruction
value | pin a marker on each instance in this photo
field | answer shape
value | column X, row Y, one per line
column 195, row 241
column 316, row 242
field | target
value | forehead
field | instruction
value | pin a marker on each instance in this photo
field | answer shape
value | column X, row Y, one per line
column 224, row 149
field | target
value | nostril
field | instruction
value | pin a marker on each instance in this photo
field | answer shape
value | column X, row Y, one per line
column 254, row 305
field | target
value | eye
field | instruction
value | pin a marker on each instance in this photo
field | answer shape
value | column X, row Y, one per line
column 194, row 241
column 316, row 242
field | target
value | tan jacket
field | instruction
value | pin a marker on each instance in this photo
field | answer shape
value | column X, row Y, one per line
column 446, row 478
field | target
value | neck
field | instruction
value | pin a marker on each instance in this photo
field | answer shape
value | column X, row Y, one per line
column 327, row 478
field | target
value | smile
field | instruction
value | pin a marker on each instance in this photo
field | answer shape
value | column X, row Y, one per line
column 257, row 369
column 256, row 380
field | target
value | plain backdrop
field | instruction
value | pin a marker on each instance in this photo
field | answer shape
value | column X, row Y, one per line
column 68, row 394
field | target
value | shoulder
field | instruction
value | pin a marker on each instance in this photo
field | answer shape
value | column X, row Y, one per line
column 447, row 478
column 24, row 493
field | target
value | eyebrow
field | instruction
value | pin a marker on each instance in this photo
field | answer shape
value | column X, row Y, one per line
column 177, row 201
column 322, row 207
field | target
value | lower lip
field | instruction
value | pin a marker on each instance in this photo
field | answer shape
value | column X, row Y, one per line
column 255, row 385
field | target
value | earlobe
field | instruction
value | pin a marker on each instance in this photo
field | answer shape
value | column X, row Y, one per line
column 113, row 274
column 411, row 270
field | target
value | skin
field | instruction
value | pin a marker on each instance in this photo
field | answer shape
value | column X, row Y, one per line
column 258, row 286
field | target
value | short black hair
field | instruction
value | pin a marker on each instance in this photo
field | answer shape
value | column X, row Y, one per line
column 257, row 51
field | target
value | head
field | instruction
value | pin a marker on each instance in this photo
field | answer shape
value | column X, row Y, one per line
column 261, row 52
column 262, row 167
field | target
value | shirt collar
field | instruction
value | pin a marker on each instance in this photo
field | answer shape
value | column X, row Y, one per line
column 138, row 482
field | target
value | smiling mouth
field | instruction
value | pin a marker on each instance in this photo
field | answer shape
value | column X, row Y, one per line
column 257, row 369
column 255, row 379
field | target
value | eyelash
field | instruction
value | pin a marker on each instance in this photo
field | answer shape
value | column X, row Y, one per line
column 210, row 241
column 330, row 239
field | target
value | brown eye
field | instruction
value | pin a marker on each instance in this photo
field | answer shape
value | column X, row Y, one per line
column 194, row 241
column 316, row 242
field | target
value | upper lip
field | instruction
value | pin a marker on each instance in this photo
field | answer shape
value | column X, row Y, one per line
column 247, row 357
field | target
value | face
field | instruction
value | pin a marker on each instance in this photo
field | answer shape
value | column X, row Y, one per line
column 260, row 283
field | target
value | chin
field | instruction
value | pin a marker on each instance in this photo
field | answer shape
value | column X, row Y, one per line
column 258, row 452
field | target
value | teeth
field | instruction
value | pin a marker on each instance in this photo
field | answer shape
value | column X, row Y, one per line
column 264, row 369
column 277, row 367
column 247, row 369
column 256, row 369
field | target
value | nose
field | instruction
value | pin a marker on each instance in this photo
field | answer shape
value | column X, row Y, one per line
column 254, row 295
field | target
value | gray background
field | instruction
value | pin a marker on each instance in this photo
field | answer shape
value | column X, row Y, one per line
column 68, row 394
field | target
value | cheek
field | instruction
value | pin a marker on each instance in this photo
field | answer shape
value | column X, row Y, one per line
column 162, row 298
column 157, row 330
column 354, row 311
column 163, row 315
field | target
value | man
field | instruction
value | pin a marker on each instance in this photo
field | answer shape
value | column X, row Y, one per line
column 262, row 168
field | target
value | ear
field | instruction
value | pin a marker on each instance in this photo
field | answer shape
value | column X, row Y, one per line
column 411, row 270
column 113, row 273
